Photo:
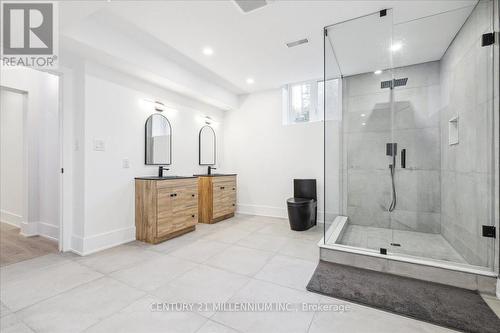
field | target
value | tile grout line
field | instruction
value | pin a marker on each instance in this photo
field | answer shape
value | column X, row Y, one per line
column 311, row 322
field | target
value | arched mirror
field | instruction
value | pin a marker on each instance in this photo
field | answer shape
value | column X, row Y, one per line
column 207, row 146
column 158, row 140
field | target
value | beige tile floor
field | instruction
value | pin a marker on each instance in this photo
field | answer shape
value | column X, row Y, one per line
column 244, row 259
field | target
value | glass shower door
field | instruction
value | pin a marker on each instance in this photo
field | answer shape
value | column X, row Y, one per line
column 366, row 127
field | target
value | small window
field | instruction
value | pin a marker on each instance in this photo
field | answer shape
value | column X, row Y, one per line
column 303, row 102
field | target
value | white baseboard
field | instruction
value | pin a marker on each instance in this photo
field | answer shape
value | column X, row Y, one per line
column 261, row 210
column 270, row 211
column 40, row 229
column 48, row 230
column 87, row 245
column 29, row 229
column 11, row 218
column 76, row 245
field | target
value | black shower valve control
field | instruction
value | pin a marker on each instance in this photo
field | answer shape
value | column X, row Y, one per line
column 403, row 158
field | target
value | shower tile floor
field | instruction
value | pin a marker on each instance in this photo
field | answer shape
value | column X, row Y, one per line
column 418, row 244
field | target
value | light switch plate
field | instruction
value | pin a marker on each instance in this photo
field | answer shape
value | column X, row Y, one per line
column 99, row 145
column 126, row 163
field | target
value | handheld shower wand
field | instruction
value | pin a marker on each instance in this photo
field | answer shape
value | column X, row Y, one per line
column 391, row 150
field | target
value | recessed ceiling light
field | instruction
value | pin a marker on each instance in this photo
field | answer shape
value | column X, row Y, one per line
column 208, row 51
column 396, row 46
column 377, row 72
column 364, row 124
column 363, row 115
column 250, row 80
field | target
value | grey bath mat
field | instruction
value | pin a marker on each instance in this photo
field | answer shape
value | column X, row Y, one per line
column 435, row 303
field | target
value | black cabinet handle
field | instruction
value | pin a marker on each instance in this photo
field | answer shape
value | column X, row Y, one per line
column 171, row 195
column 192, row 215
column 192, row 195
column 234, row 189
column 222, row 187
column 233, row 204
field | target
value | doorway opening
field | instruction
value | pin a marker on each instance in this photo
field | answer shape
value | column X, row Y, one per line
column 30, row 170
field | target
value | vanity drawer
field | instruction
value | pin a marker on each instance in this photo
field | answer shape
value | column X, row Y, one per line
column 223, row 191
column 177, row 220
column 225, row 181
column 185, row 198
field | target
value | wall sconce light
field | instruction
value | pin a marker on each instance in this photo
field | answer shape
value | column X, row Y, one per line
column 159, row 106
column 148, row 104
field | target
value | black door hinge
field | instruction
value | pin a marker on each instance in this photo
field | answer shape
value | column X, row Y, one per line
column 383, row 251
column 383, row 12
column 62, row 170
column 489, row 231
column 325, row 31
column 488, row 39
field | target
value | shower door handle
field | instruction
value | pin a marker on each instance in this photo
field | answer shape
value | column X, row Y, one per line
column 403, row 158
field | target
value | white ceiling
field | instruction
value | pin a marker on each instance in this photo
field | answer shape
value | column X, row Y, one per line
column 253, row 44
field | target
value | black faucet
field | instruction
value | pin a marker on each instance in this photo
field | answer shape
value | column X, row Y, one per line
column 160, row 170
column 210, row 168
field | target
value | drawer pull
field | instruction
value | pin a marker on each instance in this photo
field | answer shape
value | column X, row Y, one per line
column 192, row 215
column 233, row 204
column 171, row 195
column 222, row 187
column 192, row 195
column 234, row 189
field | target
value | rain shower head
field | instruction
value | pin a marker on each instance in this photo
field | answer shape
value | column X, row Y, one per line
column 393, row 83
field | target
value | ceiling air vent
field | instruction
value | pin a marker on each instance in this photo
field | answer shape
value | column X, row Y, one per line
column 247, row 6
column 297, row 42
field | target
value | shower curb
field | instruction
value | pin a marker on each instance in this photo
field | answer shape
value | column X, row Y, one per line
column 481, row 281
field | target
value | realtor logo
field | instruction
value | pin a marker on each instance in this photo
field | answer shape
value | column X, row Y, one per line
column 28, row 31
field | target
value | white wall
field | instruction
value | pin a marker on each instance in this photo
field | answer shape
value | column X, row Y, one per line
column 267, row 156
column 11, row 152
column 115, row 112
column 42, row 140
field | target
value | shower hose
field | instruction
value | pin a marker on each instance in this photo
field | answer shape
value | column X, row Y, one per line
column 394, row 197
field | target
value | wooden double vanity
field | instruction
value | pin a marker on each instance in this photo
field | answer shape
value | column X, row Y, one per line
column 167, row 207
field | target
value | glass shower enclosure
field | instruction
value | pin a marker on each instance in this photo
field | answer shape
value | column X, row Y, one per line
column 410, row 137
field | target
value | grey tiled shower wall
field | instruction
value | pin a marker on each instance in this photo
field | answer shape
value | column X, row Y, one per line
column 413, row 123
column 467, row 169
